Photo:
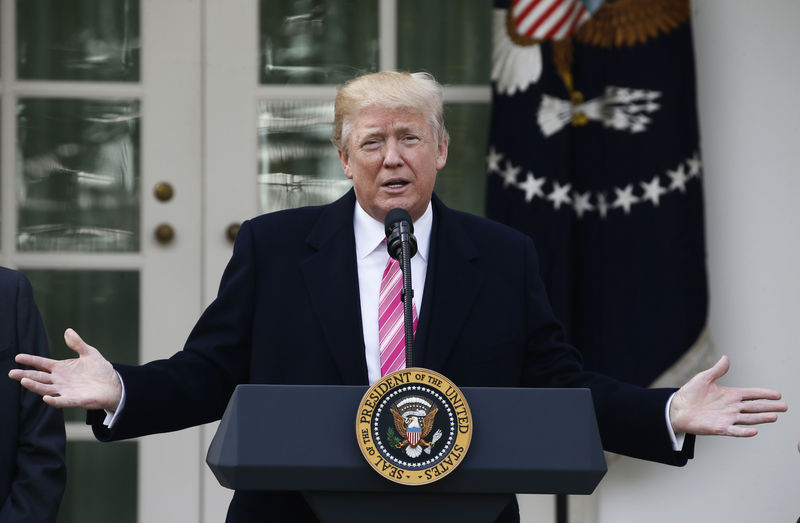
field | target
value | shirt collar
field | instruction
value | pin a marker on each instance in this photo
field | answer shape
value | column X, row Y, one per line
column 370, row 233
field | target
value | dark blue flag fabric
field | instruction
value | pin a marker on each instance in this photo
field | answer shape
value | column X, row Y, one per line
column 594, row 152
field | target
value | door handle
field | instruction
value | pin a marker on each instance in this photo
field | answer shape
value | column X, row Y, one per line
column 232, row 231
column 164, row 233
column 163, row 191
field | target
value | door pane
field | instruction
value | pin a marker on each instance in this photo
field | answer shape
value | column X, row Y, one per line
column 297, row 163
column 451, row 39
column 79, row 175
column 317, row 41
column 462, row 183
column 102, row 483
column 94, row 40
column 102, row 306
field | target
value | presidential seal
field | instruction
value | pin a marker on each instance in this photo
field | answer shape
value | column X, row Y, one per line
column 414, row 426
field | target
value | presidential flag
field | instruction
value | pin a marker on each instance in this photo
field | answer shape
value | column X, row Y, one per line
column 594, row 152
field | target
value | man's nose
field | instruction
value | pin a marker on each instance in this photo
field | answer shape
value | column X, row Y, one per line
column 392, row 158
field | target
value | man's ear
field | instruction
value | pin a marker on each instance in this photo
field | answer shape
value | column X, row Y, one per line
column 441, row 155
column 344, row 159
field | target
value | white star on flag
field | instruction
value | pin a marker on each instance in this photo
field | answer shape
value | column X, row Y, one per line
column 694, row 165
column 494, row 160
column 560, row 195
column 653, row 190
column 625, row 198
column 581, row 204
column 509, row 174
column 532, row 186
column 679, row 179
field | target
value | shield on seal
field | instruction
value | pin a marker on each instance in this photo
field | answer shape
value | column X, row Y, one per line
column 413, row 434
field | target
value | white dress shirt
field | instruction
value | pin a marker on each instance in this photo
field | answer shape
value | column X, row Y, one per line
column 371, row 257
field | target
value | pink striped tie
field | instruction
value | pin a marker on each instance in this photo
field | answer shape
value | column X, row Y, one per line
column 391, row 330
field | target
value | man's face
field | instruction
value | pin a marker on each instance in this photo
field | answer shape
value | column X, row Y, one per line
column 392, row 157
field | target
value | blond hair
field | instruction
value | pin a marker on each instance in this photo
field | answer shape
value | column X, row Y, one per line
column 393, row 90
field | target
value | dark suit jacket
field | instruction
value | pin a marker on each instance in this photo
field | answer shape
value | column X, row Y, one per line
column 32, row 469
column 288, row 312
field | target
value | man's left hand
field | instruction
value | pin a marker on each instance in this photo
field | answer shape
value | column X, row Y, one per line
column 703, row 407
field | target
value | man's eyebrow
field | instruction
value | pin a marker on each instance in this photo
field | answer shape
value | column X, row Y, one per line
column 369, row 133
column 379, row 132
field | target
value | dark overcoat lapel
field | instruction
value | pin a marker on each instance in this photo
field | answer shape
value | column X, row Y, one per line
column 331, row 276
column 452, row 286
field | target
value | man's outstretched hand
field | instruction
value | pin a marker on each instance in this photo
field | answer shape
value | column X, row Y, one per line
column 703, row 407
column 88, row 381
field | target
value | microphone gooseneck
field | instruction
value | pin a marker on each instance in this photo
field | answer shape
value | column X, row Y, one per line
column 402, row 247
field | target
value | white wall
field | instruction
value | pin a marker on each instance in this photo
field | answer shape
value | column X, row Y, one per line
column 748, row 68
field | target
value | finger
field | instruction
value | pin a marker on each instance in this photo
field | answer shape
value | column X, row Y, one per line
column 41, row 389
column 756, row 419
column 38, row 362
column 76, row 343
column 764, row 406
column 56, row 401
column 35, row 375
column 758, row 394
column 738, row 431
column 719, row 369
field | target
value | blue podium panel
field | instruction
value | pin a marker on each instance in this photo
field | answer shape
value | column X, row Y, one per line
column 298, row 437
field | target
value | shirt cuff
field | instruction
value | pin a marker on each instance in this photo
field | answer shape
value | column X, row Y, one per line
column 679, row 438
column 112, row 415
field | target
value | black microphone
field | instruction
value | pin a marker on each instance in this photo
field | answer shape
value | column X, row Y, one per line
column 399, row 228
column 402, row 247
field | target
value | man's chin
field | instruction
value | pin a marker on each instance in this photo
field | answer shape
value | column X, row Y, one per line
column 384, row 205
column 396, row 203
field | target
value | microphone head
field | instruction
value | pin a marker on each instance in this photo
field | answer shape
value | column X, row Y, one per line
column 393, row 219
column 395, row 233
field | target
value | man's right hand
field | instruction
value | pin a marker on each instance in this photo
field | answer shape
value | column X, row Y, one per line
column 88, row 381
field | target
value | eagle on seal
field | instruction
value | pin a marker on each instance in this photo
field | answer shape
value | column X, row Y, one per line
column 414, row 429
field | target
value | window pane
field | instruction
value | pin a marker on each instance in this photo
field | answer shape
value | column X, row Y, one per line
column 78, row 40
column 297, row 163
column 462, row 183
column 102, row 483
column 317, row 41
column 451, row 39
column 102, row 306
column 79, row 175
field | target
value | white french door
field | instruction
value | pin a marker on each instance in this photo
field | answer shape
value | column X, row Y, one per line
column 101, row 102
